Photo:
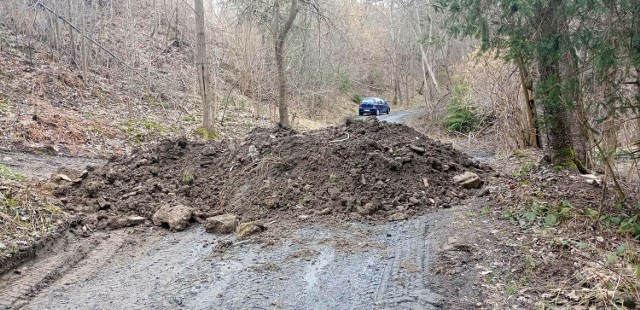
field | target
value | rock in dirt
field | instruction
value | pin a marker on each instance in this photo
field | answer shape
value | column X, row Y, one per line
column 103, row 204
column 221, row 224
column 62, row 177
column 247, row 229
column 468, row 180
column 324, row 211
column 136, row 220
column 368, row 208
column 176, row 217
column 400, row 216
column 418, row 149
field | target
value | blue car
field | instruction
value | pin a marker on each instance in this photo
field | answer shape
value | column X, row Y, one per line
column 373, row 106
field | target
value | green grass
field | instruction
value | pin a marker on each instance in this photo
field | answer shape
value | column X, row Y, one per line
column 188, row 177
column 8, row 174
column 205, row 134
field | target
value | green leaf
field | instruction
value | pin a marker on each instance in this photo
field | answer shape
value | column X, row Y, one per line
column 611, row 258
column 621, row 249
column 591, row 212
column 550, row 220
column 531, row 216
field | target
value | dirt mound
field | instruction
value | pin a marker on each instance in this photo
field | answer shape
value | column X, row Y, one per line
column 361, row 170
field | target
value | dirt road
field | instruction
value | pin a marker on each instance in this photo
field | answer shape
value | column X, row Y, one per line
column 355, row 266
column 42, row 166
column 399, row 117
column 311, row 264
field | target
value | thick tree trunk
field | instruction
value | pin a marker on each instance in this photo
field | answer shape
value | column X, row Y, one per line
column 281, row 38
column 550, row 88
column 582, row 137
column 208, row 113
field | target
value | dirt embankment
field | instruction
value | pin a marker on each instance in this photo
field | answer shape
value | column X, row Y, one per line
column 363, row 170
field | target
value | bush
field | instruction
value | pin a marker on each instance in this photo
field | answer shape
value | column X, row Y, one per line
column 357, row 98
column 462, row 115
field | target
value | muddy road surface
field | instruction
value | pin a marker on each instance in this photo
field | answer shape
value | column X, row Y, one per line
column 349, row 266
column 400, row 117
column 42, row 166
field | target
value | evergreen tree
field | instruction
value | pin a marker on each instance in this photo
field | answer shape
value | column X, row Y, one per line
column 579, row 48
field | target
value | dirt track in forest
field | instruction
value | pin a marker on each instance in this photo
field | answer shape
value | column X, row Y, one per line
column 310, row 264
column 352, row 266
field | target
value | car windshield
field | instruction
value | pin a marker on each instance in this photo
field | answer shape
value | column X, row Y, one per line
column 369, row 101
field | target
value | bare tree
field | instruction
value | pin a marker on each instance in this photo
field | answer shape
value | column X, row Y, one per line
column 280, row 40
column 72, row 42
column 202, row 67
column 85, row 70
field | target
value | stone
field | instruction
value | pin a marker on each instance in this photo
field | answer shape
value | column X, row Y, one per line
column 247, row 229
column 333, row 191
column 2, row 246
column 176, row 217
column 417, row 149
column 111, row 175
column 468, row 180
column 103, row 204
column 425, row 182
column 325, row 211
column 368, row 208
column 484, row 192
column 253, row 152
column 62, row 177
column 221, row 224
column 414, row 200
column 135, row 220
column 400, row 216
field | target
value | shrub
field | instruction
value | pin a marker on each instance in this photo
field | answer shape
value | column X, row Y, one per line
column 462, row 115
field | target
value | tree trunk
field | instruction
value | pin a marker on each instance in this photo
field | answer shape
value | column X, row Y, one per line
column 550, row 88
column 72, row 41
column 208, row 115
column 281, row 38
column 635, row 51
column 638, row 103
column 56, row 29
column 85, row 70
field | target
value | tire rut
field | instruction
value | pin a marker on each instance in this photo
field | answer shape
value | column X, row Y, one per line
column 351, row 266
column 17, row 288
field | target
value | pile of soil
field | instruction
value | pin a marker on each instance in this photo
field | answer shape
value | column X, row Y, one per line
column 363, row 170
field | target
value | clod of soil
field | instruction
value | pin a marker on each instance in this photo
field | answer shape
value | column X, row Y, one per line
column 221, row 224
column 363, row 170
